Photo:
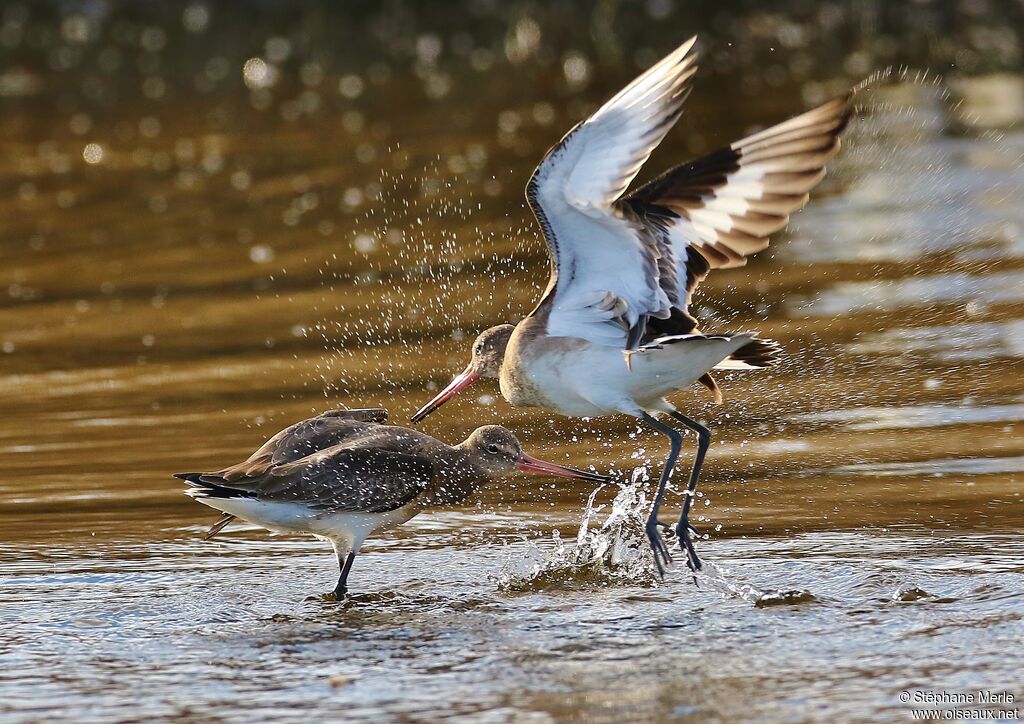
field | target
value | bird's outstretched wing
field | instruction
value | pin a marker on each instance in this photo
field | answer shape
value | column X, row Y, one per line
column 621, row 263
column 603, row 275
column 712, row 213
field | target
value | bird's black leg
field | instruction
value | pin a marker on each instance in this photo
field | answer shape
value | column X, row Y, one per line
column 683, row 527
column 342, row 588
column 661, row 555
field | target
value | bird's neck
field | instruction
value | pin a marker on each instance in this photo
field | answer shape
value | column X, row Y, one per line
column 457, row 478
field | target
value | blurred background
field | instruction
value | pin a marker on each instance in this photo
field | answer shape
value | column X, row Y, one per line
column 219, row 218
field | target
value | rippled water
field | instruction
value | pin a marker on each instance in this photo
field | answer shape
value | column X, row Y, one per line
column 136, row 628
column 241, row 256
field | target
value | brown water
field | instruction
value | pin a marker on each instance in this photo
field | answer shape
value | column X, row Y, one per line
column 237, row 259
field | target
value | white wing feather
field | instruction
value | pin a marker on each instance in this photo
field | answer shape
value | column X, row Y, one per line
column 615, row 258
column 606, row 274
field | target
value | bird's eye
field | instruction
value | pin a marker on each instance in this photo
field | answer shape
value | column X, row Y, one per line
column 492, row 449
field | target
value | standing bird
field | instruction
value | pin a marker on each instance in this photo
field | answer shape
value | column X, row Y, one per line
column 343, row 476
column 624, row 265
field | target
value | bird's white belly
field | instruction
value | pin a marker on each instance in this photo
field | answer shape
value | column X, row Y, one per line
column 544, row 381
column 279, row 517
column 593, row 380
column 585, row 383
column 555, row 381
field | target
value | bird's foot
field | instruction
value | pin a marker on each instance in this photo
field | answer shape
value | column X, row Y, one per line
column 686, row 533
column 661, row 555
column 340, row 593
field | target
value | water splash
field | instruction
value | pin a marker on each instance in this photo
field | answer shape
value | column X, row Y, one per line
column 618, row 553
column 615, row 553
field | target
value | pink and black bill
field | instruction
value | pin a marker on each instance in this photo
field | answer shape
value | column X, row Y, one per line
column 462, row 380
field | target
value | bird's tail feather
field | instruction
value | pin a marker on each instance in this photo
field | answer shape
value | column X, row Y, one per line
column 754, row 355
column 201, row 486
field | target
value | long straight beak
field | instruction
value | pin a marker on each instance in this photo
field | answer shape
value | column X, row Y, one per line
column 462, row 380
column 530, row 464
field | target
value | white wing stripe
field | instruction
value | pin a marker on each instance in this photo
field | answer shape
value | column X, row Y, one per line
column 615, row 260
column 713, row 217
column 598, row 252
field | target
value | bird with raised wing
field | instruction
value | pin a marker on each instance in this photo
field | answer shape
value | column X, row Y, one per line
column 343, row 476
column 613, row 332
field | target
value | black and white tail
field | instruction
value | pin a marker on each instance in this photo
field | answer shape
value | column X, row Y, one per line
column 201, row 485
column 754, row 355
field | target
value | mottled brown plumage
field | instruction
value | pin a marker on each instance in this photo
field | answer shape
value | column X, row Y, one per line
column 296, row 442
column 343, row 476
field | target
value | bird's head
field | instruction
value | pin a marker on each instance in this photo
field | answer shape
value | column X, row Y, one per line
column 488, row 353
column 495, row 450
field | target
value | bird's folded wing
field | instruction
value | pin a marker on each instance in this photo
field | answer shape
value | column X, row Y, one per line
column 305, row 438
column 376, row 415
column 365, row 480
